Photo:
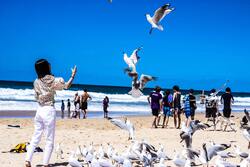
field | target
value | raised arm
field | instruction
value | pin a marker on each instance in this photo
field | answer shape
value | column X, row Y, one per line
column 68, row 84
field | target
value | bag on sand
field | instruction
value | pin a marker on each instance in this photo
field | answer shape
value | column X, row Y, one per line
column 22, row 148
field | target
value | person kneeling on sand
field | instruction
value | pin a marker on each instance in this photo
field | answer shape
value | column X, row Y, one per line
column 45, row 87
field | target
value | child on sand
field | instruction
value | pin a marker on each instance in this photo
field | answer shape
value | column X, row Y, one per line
column 45, row 87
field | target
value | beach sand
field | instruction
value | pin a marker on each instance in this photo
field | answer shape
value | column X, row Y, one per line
column 74, row 132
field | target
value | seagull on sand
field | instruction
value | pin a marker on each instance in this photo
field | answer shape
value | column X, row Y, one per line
column 73, row 160
column 159, row 14
column 238, row 152
column 223, row 163
column 59, row 151
column 208, row 153
column 131, row 61
column 161, row 154
column 125, row 125
column 246, row 134
column 187, row 132
column 78, row 153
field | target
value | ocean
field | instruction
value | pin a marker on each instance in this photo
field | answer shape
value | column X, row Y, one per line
column 19, row 96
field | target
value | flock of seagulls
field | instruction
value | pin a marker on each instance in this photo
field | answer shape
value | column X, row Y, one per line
column 145, row 154
column 139, row 84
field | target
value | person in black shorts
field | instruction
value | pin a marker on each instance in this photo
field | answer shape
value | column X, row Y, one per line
column 177, row 106
column 84, row 103
column 154, row 100
column 211, row 107
column 105, row 103
column 193, row 106
column 227, row 100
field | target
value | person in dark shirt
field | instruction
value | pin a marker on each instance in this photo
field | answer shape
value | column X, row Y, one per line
column 154, row 100
column 212, row 107
column 68, row 106
column 227, row 99
column 105, row 103
column 177, row 106
column 62, row 109
column 193, row 106
column 167, row 107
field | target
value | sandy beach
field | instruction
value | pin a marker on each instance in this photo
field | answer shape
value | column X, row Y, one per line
column 74, row 132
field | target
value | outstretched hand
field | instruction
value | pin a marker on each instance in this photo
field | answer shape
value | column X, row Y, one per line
column 73, row 71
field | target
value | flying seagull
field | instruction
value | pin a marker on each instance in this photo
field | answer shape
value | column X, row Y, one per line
column 159, row 14
column 139, row 85
column 125, row 125
column 131, row 61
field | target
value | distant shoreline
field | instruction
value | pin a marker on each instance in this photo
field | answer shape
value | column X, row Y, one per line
column 90, row 114
column 108, row 88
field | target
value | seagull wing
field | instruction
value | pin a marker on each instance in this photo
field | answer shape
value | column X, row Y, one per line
column 117, row 122
column 247, row 115
column 134, row 56
column 198, row 126
column 161, row 12
column 144, row 79
column 126, row 59
column 192, row 153
column 187, row 139
column 212, row 151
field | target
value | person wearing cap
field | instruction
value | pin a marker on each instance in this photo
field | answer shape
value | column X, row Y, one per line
column 154, row 99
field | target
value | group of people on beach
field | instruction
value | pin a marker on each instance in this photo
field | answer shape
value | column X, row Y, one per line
column 81, row 106
column 46, row 85
column 170, row 105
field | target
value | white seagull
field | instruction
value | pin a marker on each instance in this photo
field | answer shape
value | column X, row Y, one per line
column 73, row 160
column 241, row 154
column 59, row 151
column 125, row 125
column 131, row 61
column 159, row 14
column 209, row 153
column 222, row 163
column 246, row 134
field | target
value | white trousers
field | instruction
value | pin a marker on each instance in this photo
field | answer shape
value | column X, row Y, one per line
column 44, row 121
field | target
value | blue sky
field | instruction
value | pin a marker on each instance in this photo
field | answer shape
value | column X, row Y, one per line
column 204, row 43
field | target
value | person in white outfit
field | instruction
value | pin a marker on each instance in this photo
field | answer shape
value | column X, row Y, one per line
column 45, row 87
